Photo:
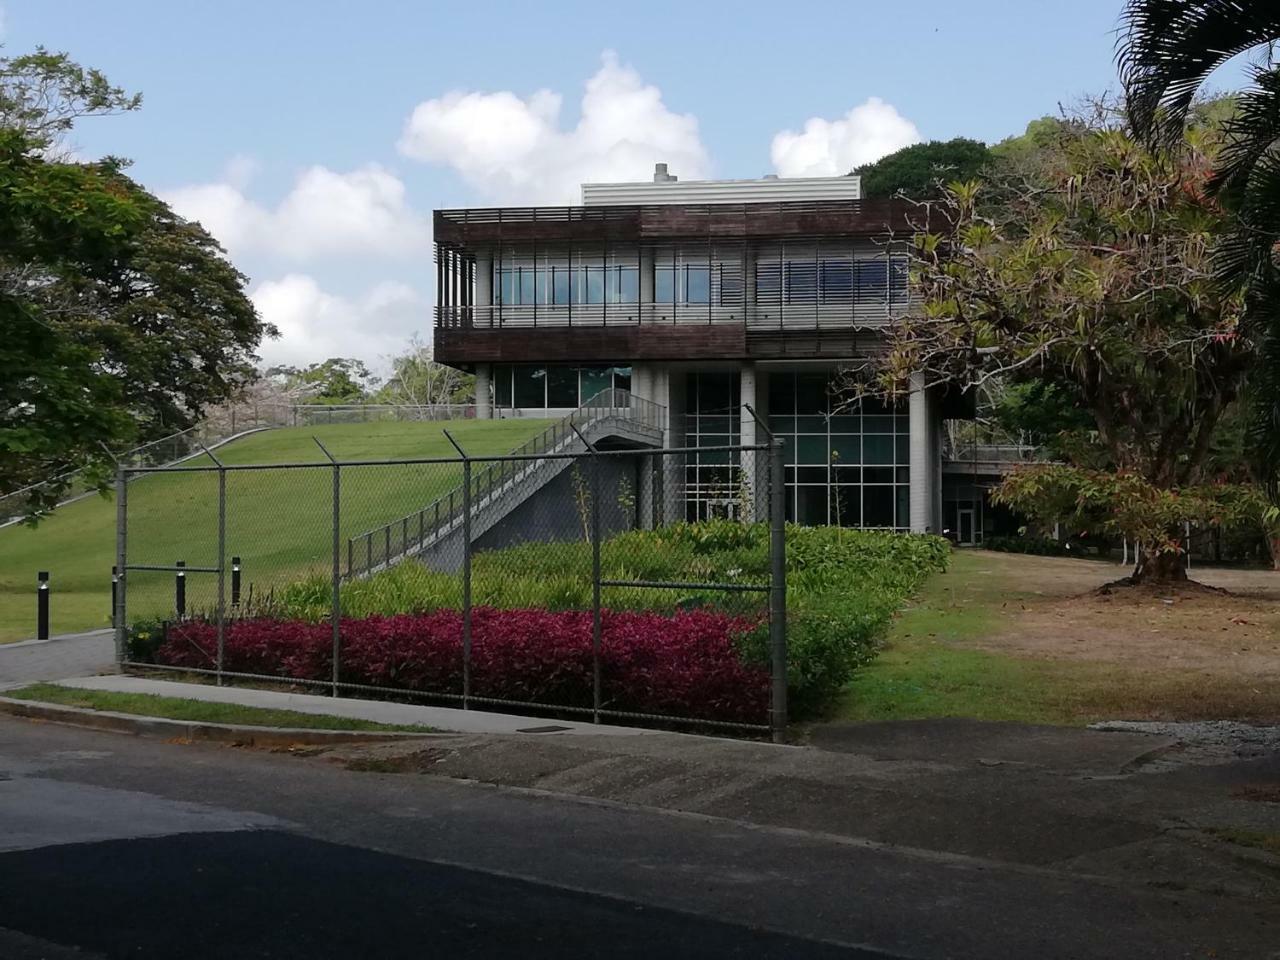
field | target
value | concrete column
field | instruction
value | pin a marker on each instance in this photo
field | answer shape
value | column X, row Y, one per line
column 921, row 469
column 484, row 289
column 484, row 392
column 670, row 393
column 646, row 284
column 748, row 459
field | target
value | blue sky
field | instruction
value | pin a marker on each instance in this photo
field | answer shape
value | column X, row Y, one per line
column 314, row 138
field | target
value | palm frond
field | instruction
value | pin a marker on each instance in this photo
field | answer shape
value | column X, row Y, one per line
column 1168, row 48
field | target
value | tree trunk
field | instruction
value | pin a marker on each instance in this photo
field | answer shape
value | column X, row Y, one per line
column 1160, row 568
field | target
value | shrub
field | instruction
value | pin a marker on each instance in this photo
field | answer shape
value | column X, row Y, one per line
column 685, row 664
column 844, row 587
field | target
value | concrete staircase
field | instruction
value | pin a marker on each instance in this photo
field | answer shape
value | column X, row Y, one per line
column 499, row 486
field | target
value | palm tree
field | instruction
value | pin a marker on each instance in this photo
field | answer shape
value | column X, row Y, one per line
column 1167, row 50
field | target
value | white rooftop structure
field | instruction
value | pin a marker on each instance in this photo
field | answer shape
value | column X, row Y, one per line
column 666, row 188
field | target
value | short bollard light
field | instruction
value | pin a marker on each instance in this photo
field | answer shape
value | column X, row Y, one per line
column 42, row 605
column 180, row 590
column 235, row 581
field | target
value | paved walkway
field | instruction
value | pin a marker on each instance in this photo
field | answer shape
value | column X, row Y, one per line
column 379, row 711
column 71, row 655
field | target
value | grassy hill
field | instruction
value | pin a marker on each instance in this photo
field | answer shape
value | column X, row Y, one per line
column 278, row 522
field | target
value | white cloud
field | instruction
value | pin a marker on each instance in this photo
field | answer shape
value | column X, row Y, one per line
column 831, row 148
column 315, row 325
column 514, row 149
column 364, row 211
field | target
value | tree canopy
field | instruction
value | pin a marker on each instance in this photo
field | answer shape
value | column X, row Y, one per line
column 921, row 170
column 121, row 321
column 1095, row 281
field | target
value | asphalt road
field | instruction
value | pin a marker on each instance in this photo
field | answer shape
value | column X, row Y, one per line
column 113, row 846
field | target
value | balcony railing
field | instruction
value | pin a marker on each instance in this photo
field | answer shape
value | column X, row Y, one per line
column 864, row 312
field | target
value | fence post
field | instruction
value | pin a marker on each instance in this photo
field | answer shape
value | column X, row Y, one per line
column 466, row 571
column 222, row 569
column 335, row 601
column 235, row 583
column 777, row 593
column 180, row 590
column 115, row 585
column 42, row 605
column 122, row 580
column 596, row 686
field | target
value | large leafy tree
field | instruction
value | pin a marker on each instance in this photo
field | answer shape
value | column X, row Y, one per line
column 920, row 170
column 1096, row 279
column 120, row 320
column 1168, row 50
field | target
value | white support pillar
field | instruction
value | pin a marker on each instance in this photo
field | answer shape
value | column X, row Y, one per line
column 920, row 472
column 484, row 392
column 484, row 289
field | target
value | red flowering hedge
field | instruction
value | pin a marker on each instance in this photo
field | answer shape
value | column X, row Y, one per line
column 684, row 664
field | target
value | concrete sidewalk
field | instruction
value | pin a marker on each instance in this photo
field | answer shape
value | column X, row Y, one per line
column 69, row 655
column 379, row 711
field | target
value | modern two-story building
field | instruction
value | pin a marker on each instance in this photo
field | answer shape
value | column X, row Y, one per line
column 706, row 298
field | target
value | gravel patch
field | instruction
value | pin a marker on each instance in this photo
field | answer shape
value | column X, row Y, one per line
column 1201, row 742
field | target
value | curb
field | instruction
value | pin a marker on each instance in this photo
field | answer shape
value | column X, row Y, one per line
column 165, row 729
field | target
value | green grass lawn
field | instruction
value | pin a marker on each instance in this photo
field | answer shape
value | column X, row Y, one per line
column 197, row 711
column 279, row 523
column 930, row 668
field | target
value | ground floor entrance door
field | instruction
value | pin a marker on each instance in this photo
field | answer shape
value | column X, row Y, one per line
column 964, row 526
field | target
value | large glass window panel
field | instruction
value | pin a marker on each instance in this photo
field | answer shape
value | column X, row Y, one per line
column 782, row 424
column 627, row 285
column 802, row 282
column 904, row 507
column 560, row 286
column 768, row 282
column 846, row 448
column 871, row 277
column 846, row 423
column 842, row 473
column 782, row 393
column 594, row 380
column 811, row 505
column 507, row 287
column 530, row 386
column 836, row 279
column 622, row 378
column 878, row 506
column 811, row 424
column 562, row 387
column 526, row 294
column 846, row 506
column 811, row 393
column 811, row 449
column 502, row 385
column 697, row 285
column 594, row 284
column 877, row 474
column 717, row 392
column 664, row 285
column 811, row 474
column 877, row 449
column 903, row 448
column 898, row 280
column 877, row 424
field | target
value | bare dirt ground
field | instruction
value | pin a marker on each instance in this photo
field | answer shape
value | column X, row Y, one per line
column 1055, row 612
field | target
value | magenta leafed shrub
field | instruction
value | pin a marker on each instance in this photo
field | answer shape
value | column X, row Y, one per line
column 686, row 664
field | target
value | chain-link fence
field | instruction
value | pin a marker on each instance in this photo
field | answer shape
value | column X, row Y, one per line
column 585, row 575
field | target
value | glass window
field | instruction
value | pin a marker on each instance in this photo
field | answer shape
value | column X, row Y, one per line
column 768, row 282
column 560, row 284
column 811, row 393
column 846, row 423
column 846, row 506
column 877, row 449
column 622, row 378
column 846, row 449
column 837, row 281
column 502, row 385
column 782, row 393
column 813, row 424
column 877, row 424
column 904, row 449
column 841, row 473
column 697, row 285
column 871, row 277
column 802, row 282
column 811, row 505
column 877, row 475
column 530, row 387
column 811, row 449
column 877, row 506
column 507, row 287
column 904, row 507
column 562, row 387
column 526, row 294
column 811, row 474
column 664, row 285
column 594, row 381
column 627, row 285
column 593, row 281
